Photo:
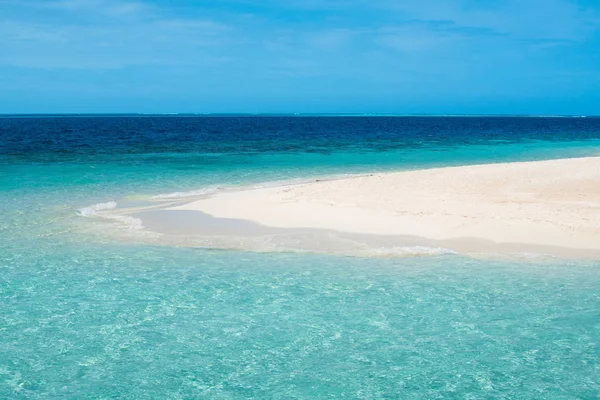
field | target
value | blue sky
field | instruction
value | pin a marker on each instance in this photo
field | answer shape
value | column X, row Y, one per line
column 386, row 56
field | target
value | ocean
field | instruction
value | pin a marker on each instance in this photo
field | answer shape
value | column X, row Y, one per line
column 85, row 314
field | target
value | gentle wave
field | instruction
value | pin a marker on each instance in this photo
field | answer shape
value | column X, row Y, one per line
column 301, row 181
column 211, row 190
column 406, row 251
column 126, row 221
column 93, row 209
column 277, row 243
column 192, row 193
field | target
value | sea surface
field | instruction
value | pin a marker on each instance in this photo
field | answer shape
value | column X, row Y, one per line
column 88, row 316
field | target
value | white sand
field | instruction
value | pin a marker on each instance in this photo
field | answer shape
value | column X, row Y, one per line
column 549, row 203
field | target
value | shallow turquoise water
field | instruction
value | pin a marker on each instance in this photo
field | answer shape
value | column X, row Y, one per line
column 142, row 322
column 88, row 317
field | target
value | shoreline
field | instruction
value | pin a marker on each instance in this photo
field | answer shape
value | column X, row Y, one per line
column 542, row 207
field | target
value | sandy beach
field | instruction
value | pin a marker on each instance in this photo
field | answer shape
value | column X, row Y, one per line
column 523, row 205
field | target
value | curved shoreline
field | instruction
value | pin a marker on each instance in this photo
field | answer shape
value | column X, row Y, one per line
column 550, row 207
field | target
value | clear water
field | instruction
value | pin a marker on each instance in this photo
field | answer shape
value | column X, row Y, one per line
column 88, row 317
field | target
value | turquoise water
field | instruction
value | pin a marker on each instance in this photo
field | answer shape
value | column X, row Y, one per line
column 83, row 316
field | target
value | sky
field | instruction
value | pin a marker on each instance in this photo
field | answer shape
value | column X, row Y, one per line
column 305, row 56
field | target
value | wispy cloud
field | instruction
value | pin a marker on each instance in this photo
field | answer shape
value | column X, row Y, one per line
column 396, row 47
column 72, row 41
column 514, row 19
column 109, row 7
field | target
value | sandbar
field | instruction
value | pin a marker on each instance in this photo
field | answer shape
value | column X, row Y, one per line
column 539, row 204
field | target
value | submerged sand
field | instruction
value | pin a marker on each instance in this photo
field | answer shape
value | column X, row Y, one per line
column 550, row 207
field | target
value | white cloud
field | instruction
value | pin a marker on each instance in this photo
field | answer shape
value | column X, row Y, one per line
column 520, row 19
column 100, row 34
column 82, row 37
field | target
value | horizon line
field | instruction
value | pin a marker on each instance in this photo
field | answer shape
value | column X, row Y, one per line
column 289, row 114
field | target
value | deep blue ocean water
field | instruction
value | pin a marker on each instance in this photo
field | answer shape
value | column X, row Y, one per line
column 82, row 316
